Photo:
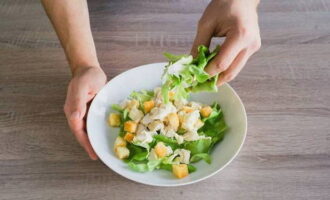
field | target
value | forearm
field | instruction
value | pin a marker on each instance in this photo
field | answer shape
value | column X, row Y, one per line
column 71, row 23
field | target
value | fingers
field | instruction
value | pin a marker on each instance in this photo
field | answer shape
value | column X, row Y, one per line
column 228, row 52
column 75, row 110
column 239, row 62
column 234, row 68
column 203, row 37
column 76, row 124
column 233, row 55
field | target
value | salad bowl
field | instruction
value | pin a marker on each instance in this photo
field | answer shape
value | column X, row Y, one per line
column 148, row 77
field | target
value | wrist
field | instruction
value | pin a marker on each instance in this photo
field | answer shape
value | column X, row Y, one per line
column 76, row 70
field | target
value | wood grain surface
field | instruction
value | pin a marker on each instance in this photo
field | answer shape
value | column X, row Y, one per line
column 285, row 88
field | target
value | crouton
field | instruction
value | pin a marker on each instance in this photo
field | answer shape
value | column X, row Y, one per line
column 114, row 120
column 130, row 126
column 171, row 95
column 160, row 150
column 148, row 105
column 119, row 142
column 172, row 120
column 180, row 170
column 206, row 111
column 129, row 137
column 122, row 152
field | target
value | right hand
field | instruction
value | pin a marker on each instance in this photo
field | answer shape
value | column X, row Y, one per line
column 84, row 85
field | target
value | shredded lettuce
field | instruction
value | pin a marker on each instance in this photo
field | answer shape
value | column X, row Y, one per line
column 142, row 96
column 117, row 107
column 215, row 125
column 198, row 146
column 183, row 74
column 144, row 166
column 199, row 156
column 167, row 141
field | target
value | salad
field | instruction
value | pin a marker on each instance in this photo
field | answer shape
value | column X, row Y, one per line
column 162, row 129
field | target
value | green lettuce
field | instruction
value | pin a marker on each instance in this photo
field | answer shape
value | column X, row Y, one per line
column 144, row 166
column 199, row 156
column 214, row 125
column 183, row 74
column 142, row 96
column 198, row 146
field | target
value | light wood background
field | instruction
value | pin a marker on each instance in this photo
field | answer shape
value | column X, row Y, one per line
column 285, row 88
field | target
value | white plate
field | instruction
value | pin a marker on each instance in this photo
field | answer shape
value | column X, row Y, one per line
column 148, row 77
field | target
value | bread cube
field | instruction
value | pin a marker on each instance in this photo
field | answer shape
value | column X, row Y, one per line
column 206, row 111
column 161, row 150
column 130, row 126
column 114, row 120
column 122, row 152
column 148, row 105
column 171, row 95
column 119, row 142
column 129, row 137
column 180, row 170
column 172, row 120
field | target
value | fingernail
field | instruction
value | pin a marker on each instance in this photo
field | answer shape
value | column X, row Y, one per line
column 75, row 115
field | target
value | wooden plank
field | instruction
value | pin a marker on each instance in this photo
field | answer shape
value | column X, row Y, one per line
column 285, row 88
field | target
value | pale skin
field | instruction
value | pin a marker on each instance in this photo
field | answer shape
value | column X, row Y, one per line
column 236, row 20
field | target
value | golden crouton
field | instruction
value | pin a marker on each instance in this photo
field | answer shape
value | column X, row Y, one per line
column 180, row 170
column 172, row 120
column 129, row 137
column 160, row 150
column 171, row 95
column 148, row 105
column 122, row 152
column 206, row 111
column 119, row 142
column 114, row 120
column 130, row 126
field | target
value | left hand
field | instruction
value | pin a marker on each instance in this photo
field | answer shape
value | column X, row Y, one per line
column 237, row 20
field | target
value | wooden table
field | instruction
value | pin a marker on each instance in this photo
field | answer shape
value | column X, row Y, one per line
column 285, row 88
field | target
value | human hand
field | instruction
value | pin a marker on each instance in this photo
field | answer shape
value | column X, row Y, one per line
column 83, row 87
column 237, row 20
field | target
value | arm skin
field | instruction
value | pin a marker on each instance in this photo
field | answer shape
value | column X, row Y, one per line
column 237, row 20
column 71, row 23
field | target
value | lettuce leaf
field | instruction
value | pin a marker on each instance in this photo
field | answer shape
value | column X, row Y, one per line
column 142, row 96
column 117, row 107
column 173, row 58
column 199, row 156
column 144, row 166
column 167, row 141
column 214, row 125
column 198, row 146
column 184, row 74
